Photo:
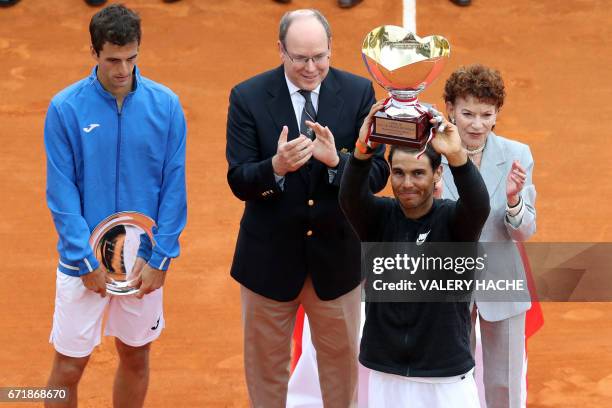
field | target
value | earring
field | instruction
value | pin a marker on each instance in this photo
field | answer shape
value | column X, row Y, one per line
column 452, row 120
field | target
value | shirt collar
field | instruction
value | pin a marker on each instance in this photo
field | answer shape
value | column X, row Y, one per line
column 293, row 89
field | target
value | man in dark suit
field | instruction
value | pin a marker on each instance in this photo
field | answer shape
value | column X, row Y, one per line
column 295, row 246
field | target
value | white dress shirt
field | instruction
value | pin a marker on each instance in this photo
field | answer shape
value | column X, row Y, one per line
column 298, row 102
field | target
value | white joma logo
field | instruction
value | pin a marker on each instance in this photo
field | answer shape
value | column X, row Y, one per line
column 90, row 127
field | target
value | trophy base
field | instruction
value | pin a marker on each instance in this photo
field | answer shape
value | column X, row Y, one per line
column 120, row 288
column 409, row 131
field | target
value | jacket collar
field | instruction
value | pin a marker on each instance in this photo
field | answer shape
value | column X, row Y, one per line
column 93, row 77
column 281, row 109
column 491, row 167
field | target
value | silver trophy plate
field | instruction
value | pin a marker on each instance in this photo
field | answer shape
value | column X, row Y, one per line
column 117, row 242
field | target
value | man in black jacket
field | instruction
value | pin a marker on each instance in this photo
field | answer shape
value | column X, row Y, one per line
column 419, row 353
column 295, row 246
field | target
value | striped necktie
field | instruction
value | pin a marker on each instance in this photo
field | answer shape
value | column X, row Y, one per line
column 308, row 113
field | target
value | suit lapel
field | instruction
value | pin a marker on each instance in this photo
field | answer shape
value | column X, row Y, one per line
column 280, row 106
column 328, row 113
column 330, row 101
column 449, row 190
column 491, row 165
column 493, row 158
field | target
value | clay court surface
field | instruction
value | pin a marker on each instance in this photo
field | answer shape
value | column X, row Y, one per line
column 554, row 56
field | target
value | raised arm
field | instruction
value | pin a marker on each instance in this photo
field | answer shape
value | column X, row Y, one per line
column 473, row 206
column 361, row 207
column 379, row 170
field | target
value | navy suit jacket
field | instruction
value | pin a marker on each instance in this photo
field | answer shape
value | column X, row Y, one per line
column 300, row 230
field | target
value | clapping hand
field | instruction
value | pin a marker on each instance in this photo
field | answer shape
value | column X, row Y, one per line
column 290, row 156
column 515, row 183
column 323, row 146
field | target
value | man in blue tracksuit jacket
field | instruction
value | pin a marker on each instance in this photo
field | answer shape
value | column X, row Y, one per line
column 115, row 141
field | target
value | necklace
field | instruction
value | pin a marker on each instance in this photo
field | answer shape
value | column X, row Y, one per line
column 475, row 151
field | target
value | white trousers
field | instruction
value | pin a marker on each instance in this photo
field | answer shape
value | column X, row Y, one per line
column 304, row 390
column 395, row 391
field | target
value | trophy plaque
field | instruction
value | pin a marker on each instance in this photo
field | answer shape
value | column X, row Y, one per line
column 117, row 242
column 404, row 65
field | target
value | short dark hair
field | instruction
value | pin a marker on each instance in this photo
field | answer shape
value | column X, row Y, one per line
column 483, row 83
column 290, row 16
column 434, row 157
column 115, row 24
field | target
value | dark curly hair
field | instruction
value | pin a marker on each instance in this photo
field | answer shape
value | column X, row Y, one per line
column 434, row 157
column 115, row 24
column 483, row 83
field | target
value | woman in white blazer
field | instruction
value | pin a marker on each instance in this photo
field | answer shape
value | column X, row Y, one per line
column 474, row 95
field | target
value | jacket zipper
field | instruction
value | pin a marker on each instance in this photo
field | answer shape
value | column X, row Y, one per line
column 117, row 163
column 407, row 368
column 118, row 160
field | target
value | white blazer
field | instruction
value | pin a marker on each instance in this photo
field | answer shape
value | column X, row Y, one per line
column 497, row 158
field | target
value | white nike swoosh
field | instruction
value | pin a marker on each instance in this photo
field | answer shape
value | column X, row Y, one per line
column 91, row 127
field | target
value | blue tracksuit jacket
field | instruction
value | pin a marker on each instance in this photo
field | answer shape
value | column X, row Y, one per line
column 102, row 160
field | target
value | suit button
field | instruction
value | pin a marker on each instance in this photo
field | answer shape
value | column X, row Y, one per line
column 309, row 233
column 310, row 203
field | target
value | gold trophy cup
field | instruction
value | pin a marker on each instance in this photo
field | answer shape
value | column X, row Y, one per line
column 404, row 65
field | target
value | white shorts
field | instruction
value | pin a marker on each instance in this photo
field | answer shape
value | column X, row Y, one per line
column 77, row 320
column 394, row 391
